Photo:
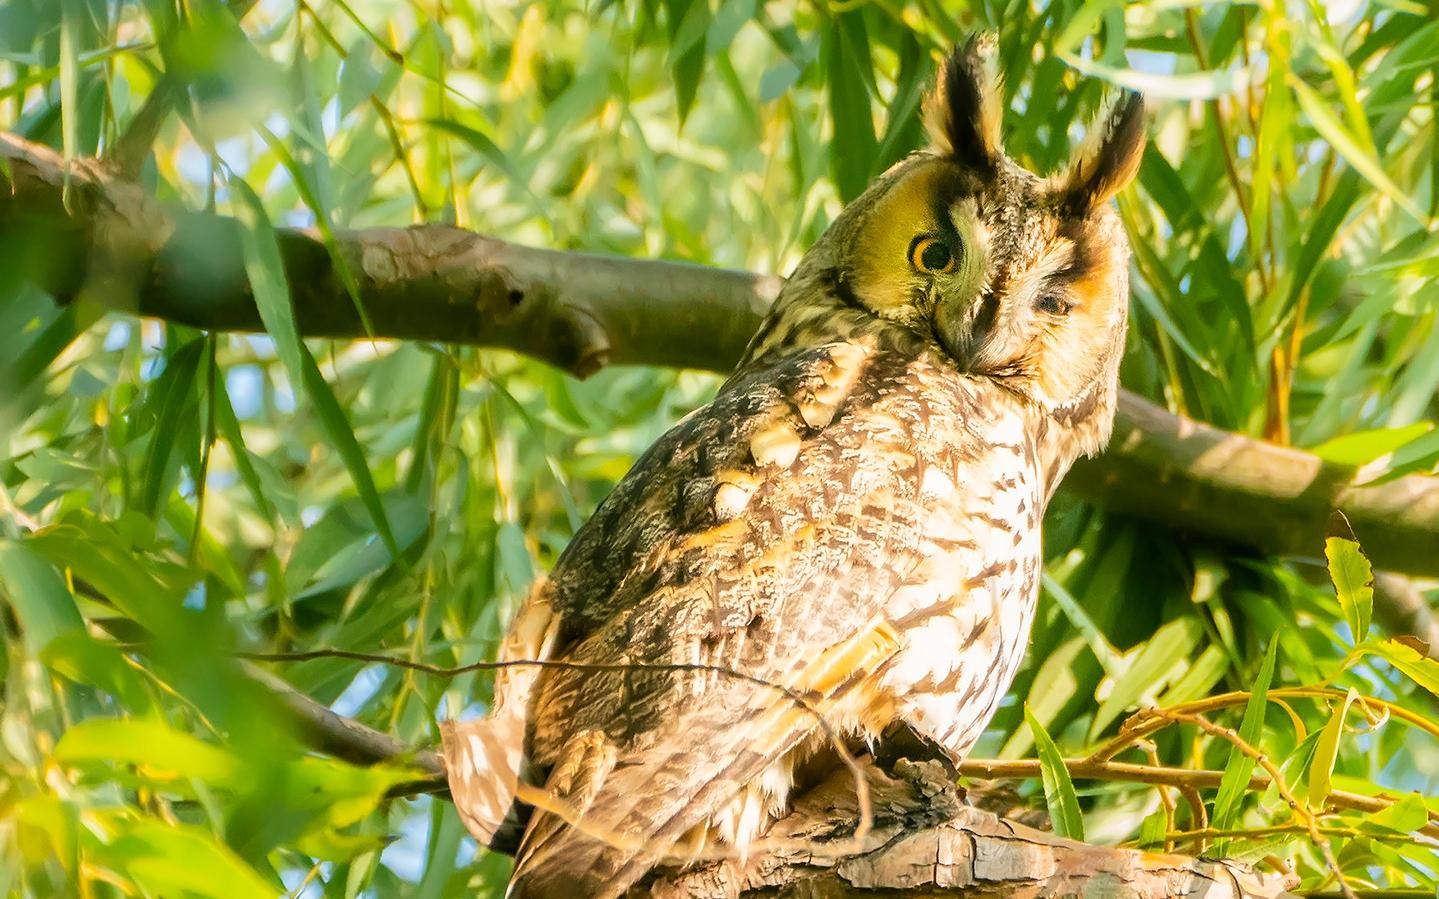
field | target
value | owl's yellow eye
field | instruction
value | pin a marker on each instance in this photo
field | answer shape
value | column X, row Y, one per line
column 932, row 255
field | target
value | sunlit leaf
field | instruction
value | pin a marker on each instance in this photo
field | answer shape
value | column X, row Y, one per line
column 1326, row 752
column 38, row 594
column 1353, row 582
column 266, row 271
column 156, row 751
column 1058, row 788
column 180, row 860
column 1240, row 765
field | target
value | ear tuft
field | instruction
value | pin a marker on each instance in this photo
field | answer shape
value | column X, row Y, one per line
column 1110, row 157
column 963, row 113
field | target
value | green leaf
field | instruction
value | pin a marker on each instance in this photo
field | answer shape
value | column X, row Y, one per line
column 1353, row 579
column 1326, row 753
column 1152, row 829
column 1239, row 767
column 1405, row 816
column 180, row 861
column 175, row 395
column 1195, row 86
column 97, row 555
column 854, row 146
column 687, row 52
column 266, row 271
column 1107, row 655
column 70, row 13
column 39, row 596
column 85, row 660
column 1404, row 655
column 1364, row 447
column 1362, row 157
column 1150, row 670
column 1058, row 788
column 157, row 751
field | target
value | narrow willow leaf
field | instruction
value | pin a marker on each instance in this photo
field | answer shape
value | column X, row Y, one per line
column 95, row 554
column 1239, row 767
column 1353, row 579
column 1326, row 753
column 176, row 392
column 1152, row 829
column 300, row 177
column 1363, row 447
column 266, row 271
column 39, row 596
column 1058, row 788
column 1108, row 656
column 70, row 13
column 687, row 51
column 228, row 425
column 1150, row 669
column 1419, row 455
column 850, row 111
column 1196, row 86
column 1364, row 159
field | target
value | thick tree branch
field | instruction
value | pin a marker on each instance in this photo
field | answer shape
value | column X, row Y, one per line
column 927, row 842
column 121, row 248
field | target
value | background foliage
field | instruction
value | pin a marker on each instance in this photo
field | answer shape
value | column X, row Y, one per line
column 168, row 497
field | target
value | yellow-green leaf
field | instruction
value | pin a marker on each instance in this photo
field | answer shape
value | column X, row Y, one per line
column 1353, row 582
column 1405, row 816
column 1364, row 160
column 1058, row 787
column 1421, row 669
column 1240, row 766
column 39, row 596
column 159, row 752
column 1326, row 753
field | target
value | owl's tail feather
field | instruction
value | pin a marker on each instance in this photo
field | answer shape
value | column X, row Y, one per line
column 485, row 759
column 609, row 820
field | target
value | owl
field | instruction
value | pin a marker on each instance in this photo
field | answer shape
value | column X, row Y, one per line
column 846, row 540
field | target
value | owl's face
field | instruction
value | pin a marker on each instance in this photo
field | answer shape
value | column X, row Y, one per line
column 1016, row 278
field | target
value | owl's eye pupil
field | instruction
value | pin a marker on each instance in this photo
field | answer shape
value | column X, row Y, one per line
column 1053, row 305
column 930, row 254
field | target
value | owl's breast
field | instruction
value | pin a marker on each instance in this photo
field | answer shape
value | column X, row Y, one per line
column 965, row 612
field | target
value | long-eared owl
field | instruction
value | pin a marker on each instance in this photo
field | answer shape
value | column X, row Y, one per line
column 855, row 518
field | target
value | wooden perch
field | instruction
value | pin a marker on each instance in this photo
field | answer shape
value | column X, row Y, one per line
column 927, row 842
column 111, row 243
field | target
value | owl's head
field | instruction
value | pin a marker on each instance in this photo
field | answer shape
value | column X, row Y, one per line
column 1016, row 278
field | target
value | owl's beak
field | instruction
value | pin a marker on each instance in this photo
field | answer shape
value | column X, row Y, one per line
column 964, row 328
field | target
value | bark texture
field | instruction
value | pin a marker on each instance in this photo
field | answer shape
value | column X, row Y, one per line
column 926, row 841
column 104, row 239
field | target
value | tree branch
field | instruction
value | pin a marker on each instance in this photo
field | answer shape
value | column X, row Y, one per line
column 120, row 247
column 927, row 842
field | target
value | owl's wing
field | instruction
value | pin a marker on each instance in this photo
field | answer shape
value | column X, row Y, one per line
column 764, row 534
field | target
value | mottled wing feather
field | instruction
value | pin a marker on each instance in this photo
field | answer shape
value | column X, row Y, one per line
column 485, row 758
